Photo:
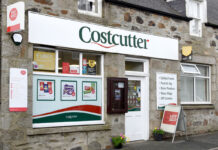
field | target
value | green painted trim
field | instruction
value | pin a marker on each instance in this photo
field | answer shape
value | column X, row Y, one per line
column 37, row 91
column 62, row 90
column 68, row 117
column 96, row 90
column 134, row 109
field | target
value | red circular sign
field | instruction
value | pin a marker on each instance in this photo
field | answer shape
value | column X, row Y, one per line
column 23, row 72
column 13, row 14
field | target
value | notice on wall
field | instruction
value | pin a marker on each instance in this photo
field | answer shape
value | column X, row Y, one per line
column 166, row 85
column 18, row 89
column 46, row 90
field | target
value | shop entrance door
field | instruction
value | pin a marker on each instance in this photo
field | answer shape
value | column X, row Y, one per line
column 136, row 119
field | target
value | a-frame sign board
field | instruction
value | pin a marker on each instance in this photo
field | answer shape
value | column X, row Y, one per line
column 173, row 120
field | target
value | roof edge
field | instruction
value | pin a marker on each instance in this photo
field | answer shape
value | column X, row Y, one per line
column 211, row 25
column 148, row 9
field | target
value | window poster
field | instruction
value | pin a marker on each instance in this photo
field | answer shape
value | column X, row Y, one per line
column 44, row 60
column 46, row 90
column 91, row 67
column 68, row 90
column 65, row 67
column 89, row 90
column 66, row 101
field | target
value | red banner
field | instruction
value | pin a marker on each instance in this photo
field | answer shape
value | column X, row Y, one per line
column 170, row 117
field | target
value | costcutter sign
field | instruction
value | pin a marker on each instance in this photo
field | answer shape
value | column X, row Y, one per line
column 54, row 31
column 15, row 17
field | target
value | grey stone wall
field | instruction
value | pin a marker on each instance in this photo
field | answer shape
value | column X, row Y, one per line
column 16, row 128
column 200, row 119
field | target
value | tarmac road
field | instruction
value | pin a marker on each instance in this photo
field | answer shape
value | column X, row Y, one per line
column 201, row 142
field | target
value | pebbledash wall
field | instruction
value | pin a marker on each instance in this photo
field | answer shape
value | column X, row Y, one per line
column 16, row 132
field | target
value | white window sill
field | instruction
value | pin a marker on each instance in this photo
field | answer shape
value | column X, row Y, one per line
column 197, row 106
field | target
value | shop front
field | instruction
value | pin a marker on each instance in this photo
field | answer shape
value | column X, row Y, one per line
column 69, row 74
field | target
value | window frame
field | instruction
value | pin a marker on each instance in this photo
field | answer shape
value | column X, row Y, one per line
column 197, row 76
column 201, row 15
column 56, row 73
column 80, row 75
column 191, row 23
column 198, row 72
column 86, row 12
column 137, row 73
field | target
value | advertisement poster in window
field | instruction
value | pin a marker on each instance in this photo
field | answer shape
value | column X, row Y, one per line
column 65, row 67
column 91, row 67
column 68, row 90
column 46, row 90
column 74, row 69
column 89, row 91
column 44, row 60
column 84, row 67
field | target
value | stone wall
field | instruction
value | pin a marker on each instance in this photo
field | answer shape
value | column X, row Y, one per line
column 200, row 119
column 16, row 128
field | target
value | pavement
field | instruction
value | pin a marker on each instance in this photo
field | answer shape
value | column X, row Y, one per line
column 207, row 141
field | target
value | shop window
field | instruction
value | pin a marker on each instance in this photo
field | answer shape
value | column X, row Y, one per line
column 73, row 98
column 68, row 62
column 90, row 7
column 134, row 66
column 195, row 84
column 43, row 60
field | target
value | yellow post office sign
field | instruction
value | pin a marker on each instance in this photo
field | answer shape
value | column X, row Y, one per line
column 186, row 50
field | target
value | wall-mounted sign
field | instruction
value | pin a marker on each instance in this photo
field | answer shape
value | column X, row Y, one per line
column 187, row 53
column 45, row 29
column 18, row 89
column 44, row 60
column 166, row 85
column 15, row 17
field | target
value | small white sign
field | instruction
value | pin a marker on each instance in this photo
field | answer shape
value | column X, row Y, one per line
column 18, row 89
column 166, row 89
column 15, row 17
